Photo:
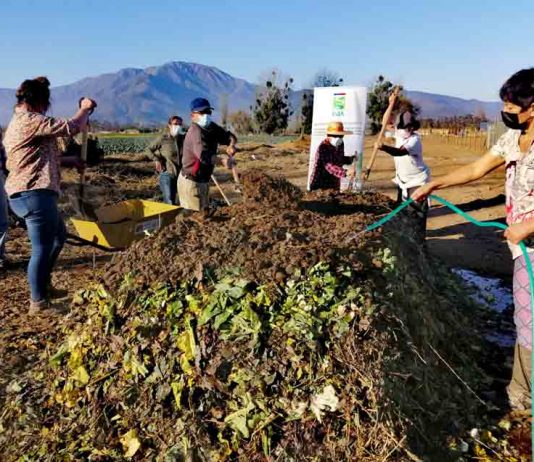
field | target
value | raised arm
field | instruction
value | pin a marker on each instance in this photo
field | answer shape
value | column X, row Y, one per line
column 50, row 126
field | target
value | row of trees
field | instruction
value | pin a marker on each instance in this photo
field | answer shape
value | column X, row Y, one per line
column 273, row 107
column 471, row 121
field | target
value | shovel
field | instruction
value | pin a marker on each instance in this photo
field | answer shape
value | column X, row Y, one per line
column 83, row 208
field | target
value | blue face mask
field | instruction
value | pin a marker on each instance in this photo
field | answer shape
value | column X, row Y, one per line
column 204, row 120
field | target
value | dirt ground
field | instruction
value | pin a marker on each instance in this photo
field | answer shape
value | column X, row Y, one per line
column 459, row 243
column 120, row 177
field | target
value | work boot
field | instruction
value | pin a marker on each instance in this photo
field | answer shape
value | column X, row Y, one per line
column 42, row 308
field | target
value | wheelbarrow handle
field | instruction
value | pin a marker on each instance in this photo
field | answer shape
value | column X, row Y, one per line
column 77, row 241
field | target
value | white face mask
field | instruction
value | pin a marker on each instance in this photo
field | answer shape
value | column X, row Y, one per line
column 334, row 141
column 402, row 133
column 204, row 120
column 175, row 129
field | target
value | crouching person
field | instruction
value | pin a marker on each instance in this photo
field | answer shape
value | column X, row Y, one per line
column 200, row 156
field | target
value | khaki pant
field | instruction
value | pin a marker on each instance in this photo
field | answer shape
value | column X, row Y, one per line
column 193, row 195
column 519, row 388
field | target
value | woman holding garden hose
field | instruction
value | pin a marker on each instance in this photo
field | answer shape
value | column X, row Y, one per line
column 515, row 150
column 33, row 184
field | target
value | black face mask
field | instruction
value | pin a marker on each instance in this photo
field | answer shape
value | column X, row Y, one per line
column 511, row 120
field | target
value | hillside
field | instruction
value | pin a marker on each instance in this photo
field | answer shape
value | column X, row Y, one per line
column 148, row 96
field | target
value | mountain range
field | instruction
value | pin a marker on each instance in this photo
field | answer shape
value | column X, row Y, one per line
column 148, row 96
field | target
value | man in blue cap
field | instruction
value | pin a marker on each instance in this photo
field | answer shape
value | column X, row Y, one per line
column 200, row 156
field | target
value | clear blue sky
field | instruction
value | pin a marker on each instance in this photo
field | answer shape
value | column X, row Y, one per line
column 463, row 48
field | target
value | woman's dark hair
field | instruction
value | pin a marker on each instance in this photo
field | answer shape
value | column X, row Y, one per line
column 35, row 93
column 406, row 119
column 519, row 89
column 172, row 118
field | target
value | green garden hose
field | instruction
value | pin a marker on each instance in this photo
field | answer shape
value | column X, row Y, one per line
column 485, row 224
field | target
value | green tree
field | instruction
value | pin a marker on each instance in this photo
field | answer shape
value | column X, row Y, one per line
column 327, row 78
column 306, row 113
column 377, row 102
column 273, row 109
column 323, row 78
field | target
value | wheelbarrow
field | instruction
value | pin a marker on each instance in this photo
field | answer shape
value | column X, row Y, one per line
column 119, row 225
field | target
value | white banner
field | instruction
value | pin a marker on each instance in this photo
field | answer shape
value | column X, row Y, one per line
column 339, row 104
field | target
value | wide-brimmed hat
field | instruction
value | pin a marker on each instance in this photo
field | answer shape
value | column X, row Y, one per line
column 336, row 128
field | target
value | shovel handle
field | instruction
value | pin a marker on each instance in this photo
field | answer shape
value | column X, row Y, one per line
column 85, row 136
column 220, row 189
column 385, row 120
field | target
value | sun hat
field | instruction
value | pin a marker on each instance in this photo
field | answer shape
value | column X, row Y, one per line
column 336, row 128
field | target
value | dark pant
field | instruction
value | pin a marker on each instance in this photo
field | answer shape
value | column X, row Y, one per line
column 3, row 217
column 418, row 213
column 47, row 234
column 169, row 186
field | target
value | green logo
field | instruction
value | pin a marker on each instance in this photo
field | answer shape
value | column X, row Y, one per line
column 339, row 105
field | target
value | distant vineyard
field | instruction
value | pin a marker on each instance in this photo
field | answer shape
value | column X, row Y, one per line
column 125, row 144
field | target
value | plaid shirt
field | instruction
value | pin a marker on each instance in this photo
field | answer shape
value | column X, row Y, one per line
column 33, row 157
column 328, row 166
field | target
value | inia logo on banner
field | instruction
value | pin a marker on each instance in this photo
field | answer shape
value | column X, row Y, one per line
column 338, row 107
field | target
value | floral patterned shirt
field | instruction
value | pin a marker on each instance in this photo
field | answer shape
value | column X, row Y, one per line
column 33, row 157
column 519, row 182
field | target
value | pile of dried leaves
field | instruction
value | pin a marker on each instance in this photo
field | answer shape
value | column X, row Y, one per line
column 333, row 361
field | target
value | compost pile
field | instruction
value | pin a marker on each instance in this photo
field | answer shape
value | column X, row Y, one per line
column 271, row 330
column 267, row 238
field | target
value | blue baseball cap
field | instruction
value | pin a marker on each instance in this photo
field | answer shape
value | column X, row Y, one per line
column 200, row 104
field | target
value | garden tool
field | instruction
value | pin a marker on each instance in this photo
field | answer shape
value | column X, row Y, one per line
column 385, row 121
column 220, row 189
column 84, row 209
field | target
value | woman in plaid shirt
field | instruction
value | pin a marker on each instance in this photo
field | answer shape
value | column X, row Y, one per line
column 330, row 159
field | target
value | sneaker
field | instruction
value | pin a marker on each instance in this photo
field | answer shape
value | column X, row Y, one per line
column 237, row 188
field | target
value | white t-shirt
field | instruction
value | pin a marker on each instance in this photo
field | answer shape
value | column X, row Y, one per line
column 411, row 171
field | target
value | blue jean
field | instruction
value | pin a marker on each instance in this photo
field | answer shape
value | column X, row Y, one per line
column 47, row 234
column 168, row 185
column 3, row 217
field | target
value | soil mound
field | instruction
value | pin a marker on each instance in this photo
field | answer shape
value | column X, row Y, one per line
column 273, row 191
column 304, row 341
column 274, row 233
